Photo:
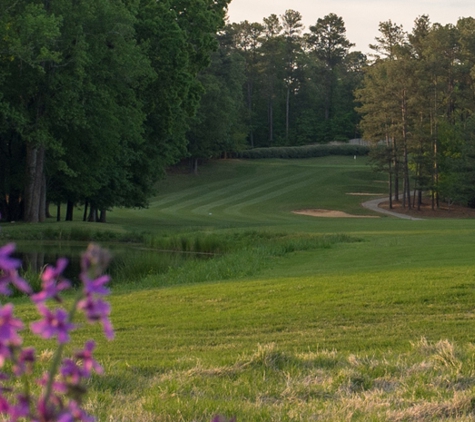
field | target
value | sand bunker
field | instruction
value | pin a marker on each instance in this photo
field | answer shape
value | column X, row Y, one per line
column 331, row 213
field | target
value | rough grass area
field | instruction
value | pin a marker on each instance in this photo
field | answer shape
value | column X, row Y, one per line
column 431, row 381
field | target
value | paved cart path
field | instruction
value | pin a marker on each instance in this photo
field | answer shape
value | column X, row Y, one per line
column 373, row 205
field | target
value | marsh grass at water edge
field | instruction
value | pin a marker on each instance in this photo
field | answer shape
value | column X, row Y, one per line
column 188, row 258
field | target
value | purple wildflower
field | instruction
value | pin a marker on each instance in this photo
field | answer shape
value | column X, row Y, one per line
column 20, row 283
column 11, row 276
column 9, row 273
column 63, row 394
column 47, row 410
column 52, row 282
column 4, row 405
column 9, row 326
column 89, row 364
column 21, row 409
column 94, row 261
column 59, row 387
column 95, row 286
column 25, row 361
column 53, row 324
column 73, row 413
column 5, row 278
column 97, row 310
column 108, row 329
column 6, row 261
column 5, row 353
column 71, row 371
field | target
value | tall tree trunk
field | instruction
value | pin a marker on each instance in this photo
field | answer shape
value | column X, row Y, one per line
column 407, row 187
column 42, row 209
column 58, row 211
column 47, row 211
column 327, row 106
column 417, row 187
column 84, row 217
column 287, row 113
column 92, row 214
column 390, row 186
column 416, row 197
column 3, row 209
column 396, row 171
column 436, row 174
column 34, row 180
column 329, row 94
column 17, row 207
column 435, row 134
column 390, row 170
column 69, row 211
column 250, row 111
column 406, row 198
column 271, row 122
column 102, row 216
column 195, row 166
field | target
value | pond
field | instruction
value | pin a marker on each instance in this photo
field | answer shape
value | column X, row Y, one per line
column 126, row 260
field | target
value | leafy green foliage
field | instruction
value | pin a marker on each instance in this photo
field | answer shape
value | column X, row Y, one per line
column 97, row 98
column 299, row 86
column 417, row 97
column 217, row 128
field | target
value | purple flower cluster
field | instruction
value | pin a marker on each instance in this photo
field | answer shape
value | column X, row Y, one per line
column 62, row 387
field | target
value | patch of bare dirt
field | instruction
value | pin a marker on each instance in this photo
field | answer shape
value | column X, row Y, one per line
column 330, row 213
column 426, row 211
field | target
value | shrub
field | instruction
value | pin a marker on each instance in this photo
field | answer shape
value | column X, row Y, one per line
column 306, row 151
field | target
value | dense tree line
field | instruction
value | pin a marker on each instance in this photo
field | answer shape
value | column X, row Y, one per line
column 96, row 98
column 296, row 86
column 418, row 103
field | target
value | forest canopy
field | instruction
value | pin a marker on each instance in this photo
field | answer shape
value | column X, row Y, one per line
column 413, row 98
column 417, row 101
column 98, row 98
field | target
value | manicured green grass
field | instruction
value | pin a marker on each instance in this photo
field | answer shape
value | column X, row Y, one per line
column 237, row 194
column 288, row 325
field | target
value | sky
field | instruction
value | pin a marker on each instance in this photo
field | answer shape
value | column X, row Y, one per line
column 361, row 17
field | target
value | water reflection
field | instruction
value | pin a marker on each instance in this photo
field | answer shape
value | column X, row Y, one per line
column 35, row 257
column 127, row 261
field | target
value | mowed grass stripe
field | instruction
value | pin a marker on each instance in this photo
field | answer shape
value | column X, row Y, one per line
column 261, row 173
column 237, row 209
column 234, row 192
column 223, row 184
column 283, row 184
column 211, row 191
column 205, row 186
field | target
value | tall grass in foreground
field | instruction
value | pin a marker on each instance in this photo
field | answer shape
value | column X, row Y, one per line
column 433, row 381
